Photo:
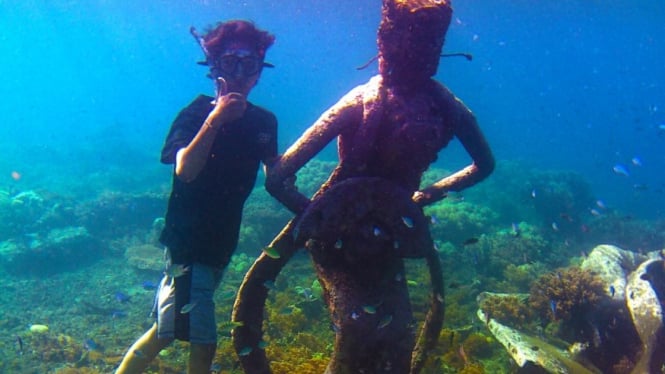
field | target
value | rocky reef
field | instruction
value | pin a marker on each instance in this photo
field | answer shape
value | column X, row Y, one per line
column 605, row 315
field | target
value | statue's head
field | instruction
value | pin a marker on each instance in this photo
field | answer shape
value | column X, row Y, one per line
column 410, row 38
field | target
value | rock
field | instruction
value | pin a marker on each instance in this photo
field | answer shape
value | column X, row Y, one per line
column 646, row 311
column 530, row 351
column 612, row 264
column 636, row 284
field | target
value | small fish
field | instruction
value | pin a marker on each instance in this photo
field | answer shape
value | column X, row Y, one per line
column 90, row 345
column 439, row 297
column 188, row 307
column 369, row 309
column 533, row 193
column 620, row 170
column 470, row 241
column 594, row 212
column 412, row 283
column 19, row 343
column 463, row 354
column 138, row 353
column 454, row 285
column 230, row 325
column 612, row 291
column 307, row 294
column 408, row 222
column 566, row 217
column 355, row 316
column 271, row 252
column 597, row 340
column 385, row 321
column 268, row 285
column 262, row 344
column 553, row 308
column 149, row 285
column 601, row 204
column 433, row 220
column 376, row 231
column 216, row 367
column 515, row 229
column 122, row 297
column 334, row 328
column 245, row 351
column 176, row 270
column 396, row 244
column 555, row 226
column 338, row 244
column 636, row 161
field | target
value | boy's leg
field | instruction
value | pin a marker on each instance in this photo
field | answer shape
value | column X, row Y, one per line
column 200, row 358
column 142, row 352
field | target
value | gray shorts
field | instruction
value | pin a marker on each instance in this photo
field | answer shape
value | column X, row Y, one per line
column 184, row 305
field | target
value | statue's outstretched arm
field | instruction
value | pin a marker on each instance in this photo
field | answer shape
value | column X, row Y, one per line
column 280, row 180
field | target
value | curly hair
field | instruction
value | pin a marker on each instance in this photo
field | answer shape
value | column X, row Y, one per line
column 216, row 39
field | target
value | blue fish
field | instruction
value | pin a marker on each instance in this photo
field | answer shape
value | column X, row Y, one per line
column 90, row 345
column 612, row 291
column 307, row 293
column 122, row 297
column 553, row 308
column 149, row 285
column 216, row 367
column 620, row 170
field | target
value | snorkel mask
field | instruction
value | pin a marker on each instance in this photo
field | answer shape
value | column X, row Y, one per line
column 236, row 62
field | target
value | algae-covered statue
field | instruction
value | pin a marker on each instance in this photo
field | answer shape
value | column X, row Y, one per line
column 367, row 217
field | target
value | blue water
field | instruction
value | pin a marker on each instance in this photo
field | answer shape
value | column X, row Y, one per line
column 89, row 88
column 572, row 85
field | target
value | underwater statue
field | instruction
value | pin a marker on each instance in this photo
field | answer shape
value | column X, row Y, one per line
column 367, row 217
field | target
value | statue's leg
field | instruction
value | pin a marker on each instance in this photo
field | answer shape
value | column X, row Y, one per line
column 371, row 314
column 434, row 320
column 250, row 302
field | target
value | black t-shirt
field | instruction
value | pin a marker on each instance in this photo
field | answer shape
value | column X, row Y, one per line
column 203, row 216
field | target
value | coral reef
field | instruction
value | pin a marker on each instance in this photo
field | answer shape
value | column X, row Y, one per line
column 512, row 309
column 567, row 295
column 298, row 331
column 52, row 252
column 457, row 222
